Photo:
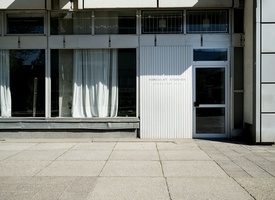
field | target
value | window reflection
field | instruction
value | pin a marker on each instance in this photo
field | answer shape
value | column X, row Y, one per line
column 25, row 24
column 81, row 23
column 27, row 83
column 210, row 54
column 210, row 120
column 115, row 22
column 212, row 21
column 210, row 85
column 162, row 22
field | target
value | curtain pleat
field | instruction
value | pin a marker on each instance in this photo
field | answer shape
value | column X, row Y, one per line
column 5, row 94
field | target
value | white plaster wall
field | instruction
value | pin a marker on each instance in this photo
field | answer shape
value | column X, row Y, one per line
column 120, row 4
column 195, row 3
column 248, row 63
column 268, row 68
column 268, row 14
column 268, row 39
column 22, row 4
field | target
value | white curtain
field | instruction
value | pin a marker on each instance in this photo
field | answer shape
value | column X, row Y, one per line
column 95, row 87
column 5, row 94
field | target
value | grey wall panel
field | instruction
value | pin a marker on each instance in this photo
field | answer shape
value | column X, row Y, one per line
column 99, row 41
column 268, row 97
column 79, row 42
column 166, row 106
column 268, row 14
column 268, row 127
column 56, row 42
column 33, row 42
column 22, row 4
column 216, row 40
column 196, row 3
column 268, row 39
column 125, row 41
column 9, row 42
column 268, row 68
column 147, row 40
column 170, row 40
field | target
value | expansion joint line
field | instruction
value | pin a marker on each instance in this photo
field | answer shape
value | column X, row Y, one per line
column 160, row 161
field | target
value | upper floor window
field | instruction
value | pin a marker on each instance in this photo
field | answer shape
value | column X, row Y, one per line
column 212, row 21
column 115, row 22
column 25, row 23
column 219, row 54
column 85, row 23
column 71, row 23
column 162, row 22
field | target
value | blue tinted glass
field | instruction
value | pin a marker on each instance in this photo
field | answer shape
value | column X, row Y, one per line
column 210, row 21
column 210, row 55
column 25, row 25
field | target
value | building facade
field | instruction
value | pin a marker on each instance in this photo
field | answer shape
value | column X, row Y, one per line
column 154, row 68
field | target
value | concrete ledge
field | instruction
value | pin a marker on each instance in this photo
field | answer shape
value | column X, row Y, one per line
column 69, row 123
column 53, row 134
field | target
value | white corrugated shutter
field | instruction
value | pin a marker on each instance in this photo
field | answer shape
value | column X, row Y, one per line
column 166, row 92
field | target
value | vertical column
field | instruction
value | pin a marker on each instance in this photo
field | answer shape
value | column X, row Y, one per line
column 267, row 70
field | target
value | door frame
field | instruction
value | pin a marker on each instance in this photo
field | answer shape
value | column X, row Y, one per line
column 213, row 64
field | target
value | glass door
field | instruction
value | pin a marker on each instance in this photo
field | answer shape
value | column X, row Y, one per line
column 210, row 101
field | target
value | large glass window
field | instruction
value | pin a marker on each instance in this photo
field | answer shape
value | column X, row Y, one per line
column 22, row 83
column 93, row 83
column 115, row 22
column 82, row 23
column 25, row 23
column 71, row 23
column 211, row 21
column 162, row 22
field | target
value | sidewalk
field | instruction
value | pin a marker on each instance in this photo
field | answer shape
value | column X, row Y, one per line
column 135, row 170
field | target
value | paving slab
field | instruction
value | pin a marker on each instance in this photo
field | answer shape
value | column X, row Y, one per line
column 259, row 188
column 134, row 188
column 94, row 146
column 86, row 155
column 176, row 145
column 132, row 168
column 6, row 154
column 192, row 169
column 183, row 155
column 206, row 188
column 253, row 169
column 134, row 155
column 15, row 146
column 73, row 168
column 80, row 188
column 135, row 146
column 22, row 168
column 38, row 155
column 52, row 146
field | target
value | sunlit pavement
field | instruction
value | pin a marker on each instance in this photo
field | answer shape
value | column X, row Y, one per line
column 130, row 169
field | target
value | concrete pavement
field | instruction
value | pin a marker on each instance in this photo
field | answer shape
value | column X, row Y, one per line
column 135, row 169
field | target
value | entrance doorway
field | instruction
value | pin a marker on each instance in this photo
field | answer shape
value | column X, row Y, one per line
column 210, row 101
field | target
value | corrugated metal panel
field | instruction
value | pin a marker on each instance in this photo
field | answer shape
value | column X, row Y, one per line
column 166, row 92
